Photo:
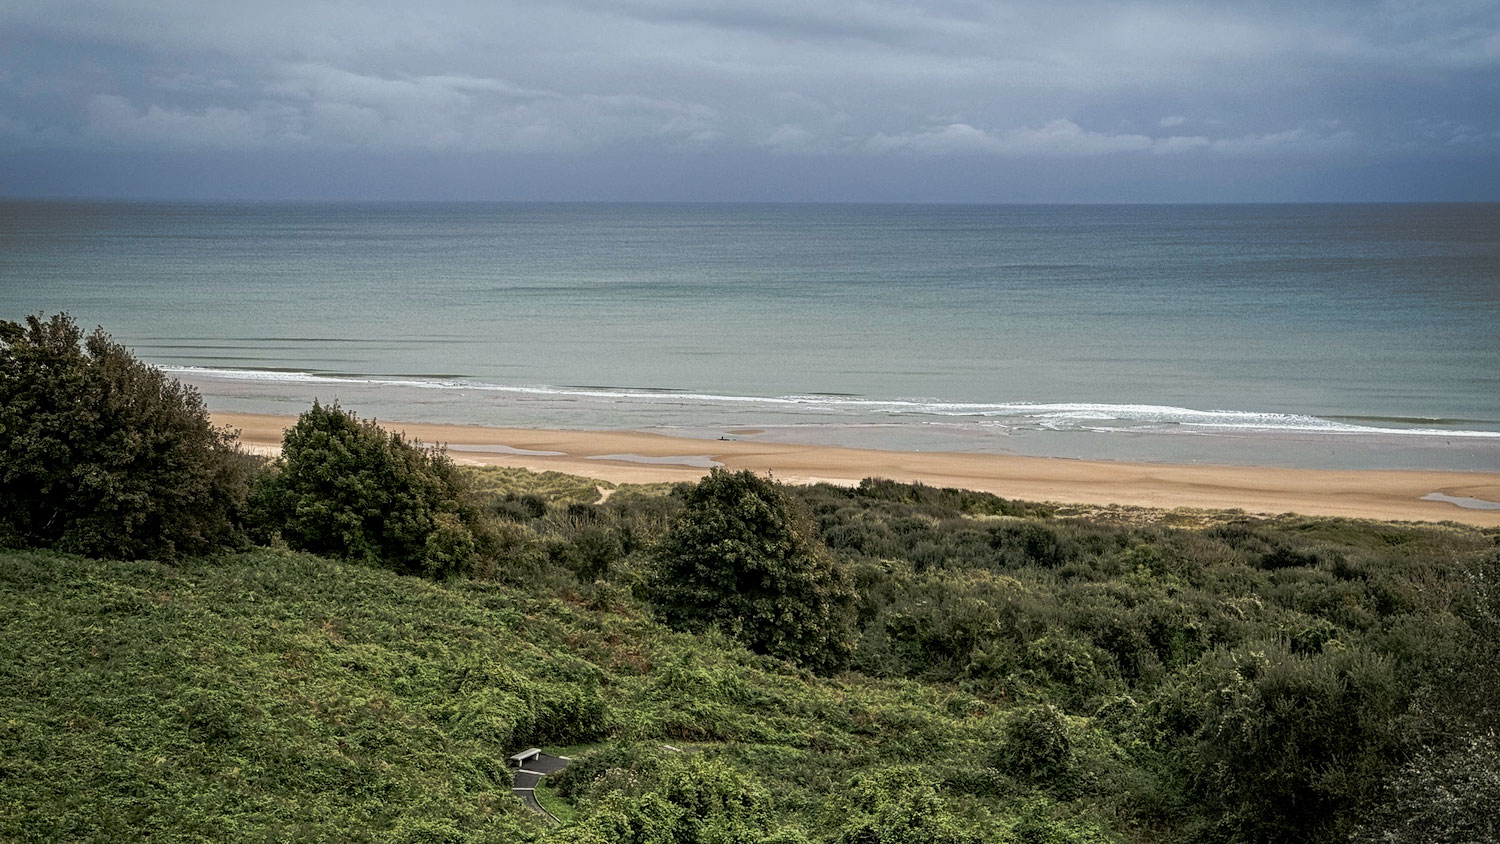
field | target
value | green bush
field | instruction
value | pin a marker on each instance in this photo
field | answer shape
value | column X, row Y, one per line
column 646, row 795
column 1036, row 744
column 1443, row 796
column 740, row 558
column 1037, row 823
column 345, row 487
column 898, row 806
column 103, row 455
column 1287, row 748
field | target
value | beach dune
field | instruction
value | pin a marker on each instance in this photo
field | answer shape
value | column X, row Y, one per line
column 638, row 457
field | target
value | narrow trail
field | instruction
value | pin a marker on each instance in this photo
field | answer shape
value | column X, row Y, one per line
column 604, row 494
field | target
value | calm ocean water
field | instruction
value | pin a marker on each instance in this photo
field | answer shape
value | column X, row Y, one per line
column 1307, row 335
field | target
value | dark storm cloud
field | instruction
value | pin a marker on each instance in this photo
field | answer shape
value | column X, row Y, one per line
column 873, row 99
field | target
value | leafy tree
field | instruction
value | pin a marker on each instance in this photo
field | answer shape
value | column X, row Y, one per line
column 101, row 454
column 346, row 487
column 740, row 557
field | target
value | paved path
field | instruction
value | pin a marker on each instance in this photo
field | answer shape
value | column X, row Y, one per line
column 530, row 774
column 528, row 799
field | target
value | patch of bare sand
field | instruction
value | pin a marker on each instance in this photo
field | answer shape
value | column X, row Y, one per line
column 1367, row 494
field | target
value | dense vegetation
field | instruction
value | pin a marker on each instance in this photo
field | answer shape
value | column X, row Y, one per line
column 1016, row 678
column 101, row 454
column 739, row 558
column 346, row 487
column 1004, row 671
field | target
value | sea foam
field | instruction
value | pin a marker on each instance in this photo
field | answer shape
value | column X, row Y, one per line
column 1054, row 416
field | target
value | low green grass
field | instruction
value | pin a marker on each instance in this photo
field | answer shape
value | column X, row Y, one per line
column 554, row 803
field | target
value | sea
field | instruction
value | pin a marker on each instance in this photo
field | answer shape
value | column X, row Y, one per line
column 1323, row 336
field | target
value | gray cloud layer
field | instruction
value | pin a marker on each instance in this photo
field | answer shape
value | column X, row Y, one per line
column 874, row 99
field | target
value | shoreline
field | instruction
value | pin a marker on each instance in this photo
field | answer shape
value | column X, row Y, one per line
column 621, row 456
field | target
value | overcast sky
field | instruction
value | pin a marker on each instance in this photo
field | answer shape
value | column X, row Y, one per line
column 926, row 100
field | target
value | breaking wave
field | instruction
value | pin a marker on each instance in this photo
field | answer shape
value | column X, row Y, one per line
column 1056, row 416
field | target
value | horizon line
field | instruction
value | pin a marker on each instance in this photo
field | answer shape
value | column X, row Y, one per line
column 231, row 200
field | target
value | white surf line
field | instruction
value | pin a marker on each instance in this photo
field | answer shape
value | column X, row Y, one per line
column 1065, row 415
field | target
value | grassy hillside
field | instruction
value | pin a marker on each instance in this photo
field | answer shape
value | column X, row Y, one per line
column 1019, row 676
column 275, row 693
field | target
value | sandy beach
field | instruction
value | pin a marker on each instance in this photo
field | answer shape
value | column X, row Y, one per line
column 636, row 457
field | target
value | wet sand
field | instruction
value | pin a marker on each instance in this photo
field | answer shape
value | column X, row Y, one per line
column 636, row 457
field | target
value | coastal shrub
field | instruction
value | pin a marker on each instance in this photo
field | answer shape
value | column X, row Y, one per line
column 576, row 779
column 101, row 454
column 592, row 553
column 345, row 487
column 1035, row 746
column 1030, row 543
column 740, row 558
column 944, row 626
column 1445, row 795
column 692, row 800
column 1284, row 747
column 519, row 508
column 1038, row 823
column 963, row 501
column 1283, row 557
column 898, row 806
column 1158, row 685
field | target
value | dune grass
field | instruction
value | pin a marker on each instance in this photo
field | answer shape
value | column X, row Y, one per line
column 552, row 486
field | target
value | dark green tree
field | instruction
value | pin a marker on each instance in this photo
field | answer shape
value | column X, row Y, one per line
column 346, row 487
column 741, row 558
column 103, row 455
